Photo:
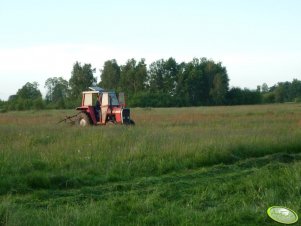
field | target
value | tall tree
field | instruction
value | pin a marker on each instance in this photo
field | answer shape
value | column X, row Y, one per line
column 295, row 89
column 202, row 81
column 216, row 80
column 195, row 82
column 57, row 89
column 28, row 97
column 81, row 78
column 29, row 91
column 189, row 83
column 264, row 88
column 133, row 76
column 219, row 89
column 155, row 76
column 280, row 93
column 172, row 69
column 162, row 76
column 110, row 75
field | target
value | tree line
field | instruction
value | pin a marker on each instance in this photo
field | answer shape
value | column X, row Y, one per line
column 164, row 83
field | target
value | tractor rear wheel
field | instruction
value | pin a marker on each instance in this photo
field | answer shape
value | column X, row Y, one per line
column 83, row 120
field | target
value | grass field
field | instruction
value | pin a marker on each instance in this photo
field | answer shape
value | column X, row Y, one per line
column 177, row 166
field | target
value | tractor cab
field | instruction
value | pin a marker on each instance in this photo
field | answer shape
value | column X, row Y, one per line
column 100, row 107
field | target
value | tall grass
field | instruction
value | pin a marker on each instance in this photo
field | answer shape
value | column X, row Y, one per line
column 176, row 166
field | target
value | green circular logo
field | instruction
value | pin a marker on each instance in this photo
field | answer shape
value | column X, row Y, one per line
column 282, row 214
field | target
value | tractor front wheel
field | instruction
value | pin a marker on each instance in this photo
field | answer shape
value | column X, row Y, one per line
column 83, row 120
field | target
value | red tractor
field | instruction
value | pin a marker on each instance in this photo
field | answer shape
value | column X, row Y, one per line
column 100, row 107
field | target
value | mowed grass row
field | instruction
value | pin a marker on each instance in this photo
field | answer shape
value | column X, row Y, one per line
column 176, row 166
column 221, row 195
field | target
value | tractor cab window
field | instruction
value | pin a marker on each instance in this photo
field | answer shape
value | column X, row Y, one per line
column 113, row 98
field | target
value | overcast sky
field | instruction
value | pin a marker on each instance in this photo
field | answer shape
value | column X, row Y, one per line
column 256, row 40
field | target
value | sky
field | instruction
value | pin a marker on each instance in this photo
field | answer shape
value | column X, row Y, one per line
column 258, row 41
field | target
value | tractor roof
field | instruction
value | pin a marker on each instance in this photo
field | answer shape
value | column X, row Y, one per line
column 96, row 88
column 86, row 92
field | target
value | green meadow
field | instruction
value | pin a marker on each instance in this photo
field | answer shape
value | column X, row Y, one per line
column 177, row 166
